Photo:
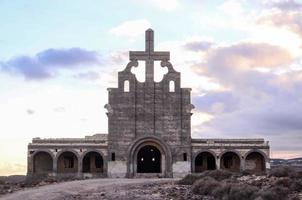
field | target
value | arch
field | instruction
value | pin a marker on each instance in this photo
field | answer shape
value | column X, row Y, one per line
column 203, row 161
column 255, row 161
column 92, row 162
column 126, row 86
column 171, row 86
column 166, row 156
column 230, row 160
column 67, row 162
column 42, row 162
column 230, row 150
column 148, row 160
column 258, row 151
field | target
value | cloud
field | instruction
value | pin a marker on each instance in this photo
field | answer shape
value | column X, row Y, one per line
column 59, row 109
column 253, row 103
column 250, row 109
column 215, row 102
column 286, row 14
column 289, row 20
column 67, row 57
column 167, row 5
column 120, row 57
column 131, row 29
column 198, row 45
column 230, row 63
column 231, row 7
column 274, row 117
column 287, row 5
column 45, row 64
column 249, row 55
column 91, row 75
column 30, row 111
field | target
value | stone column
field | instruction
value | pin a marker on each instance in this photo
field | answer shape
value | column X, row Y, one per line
column 30, row 164
column 242, row 164
column 55, row 166
column 80, row 166
column 218, row 162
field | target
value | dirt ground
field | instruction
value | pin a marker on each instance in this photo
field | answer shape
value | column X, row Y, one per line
column 117, row 189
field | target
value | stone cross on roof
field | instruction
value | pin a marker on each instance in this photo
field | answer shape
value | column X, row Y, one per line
column 149, row 55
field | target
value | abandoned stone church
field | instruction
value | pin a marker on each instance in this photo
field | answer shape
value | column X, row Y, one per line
column 149, row 133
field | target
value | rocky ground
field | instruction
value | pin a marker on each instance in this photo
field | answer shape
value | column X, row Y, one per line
column 211, row 185
column 95, row 189
column 280, row 184
column 10, row 184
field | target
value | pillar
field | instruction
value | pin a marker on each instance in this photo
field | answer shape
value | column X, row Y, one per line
column 218, row 162
column 242, row 164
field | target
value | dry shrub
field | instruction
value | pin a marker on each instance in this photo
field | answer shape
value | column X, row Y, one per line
column 233, row 191
column 294, row 198
column 219, row 175
column 284, row 182
column 296, row 185
column 216, row 174
column 205, row 186
column 240, row 192
column 274, row 193
column 283, row 171
column 189, row 179
column 15, row 179
column 34, row 180
column 292, row 184
column 246, row 173
column 299, row 174
column 223, row 191
column 228, row 190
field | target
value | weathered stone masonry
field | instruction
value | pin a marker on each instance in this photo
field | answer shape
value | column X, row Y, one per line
column 149, row 133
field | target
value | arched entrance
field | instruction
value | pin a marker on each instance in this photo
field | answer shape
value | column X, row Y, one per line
column 205, row 161
column 149, row 160
column 67, row 162
column 93, row 163
column 156, row 155
column 230, row 161
column 255, row 162
column 43, row 163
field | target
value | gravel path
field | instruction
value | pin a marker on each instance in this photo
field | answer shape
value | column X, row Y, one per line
column 92, row 189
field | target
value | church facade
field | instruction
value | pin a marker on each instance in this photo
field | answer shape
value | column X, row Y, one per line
column 149, row 133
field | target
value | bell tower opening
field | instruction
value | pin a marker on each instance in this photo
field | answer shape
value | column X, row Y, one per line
column 149, row 160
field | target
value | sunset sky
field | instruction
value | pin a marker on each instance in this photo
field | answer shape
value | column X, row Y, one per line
column 242, row 59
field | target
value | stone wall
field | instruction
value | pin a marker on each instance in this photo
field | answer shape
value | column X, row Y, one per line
column 158, row 109
column 238, row 148
column 56, row 149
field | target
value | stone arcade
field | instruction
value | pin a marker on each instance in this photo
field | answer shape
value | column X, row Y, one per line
column 149, row 134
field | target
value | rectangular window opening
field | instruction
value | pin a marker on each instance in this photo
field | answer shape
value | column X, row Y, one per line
column 185, row 156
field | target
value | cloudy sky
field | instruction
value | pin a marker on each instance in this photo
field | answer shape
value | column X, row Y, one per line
column 243, row 60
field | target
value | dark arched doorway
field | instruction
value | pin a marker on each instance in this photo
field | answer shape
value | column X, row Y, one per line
column 230, row 161
column 205, row 161
column 43, row 163
column 255, row 162
column 67, row 163
column 148, row 160
column 93, row 163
